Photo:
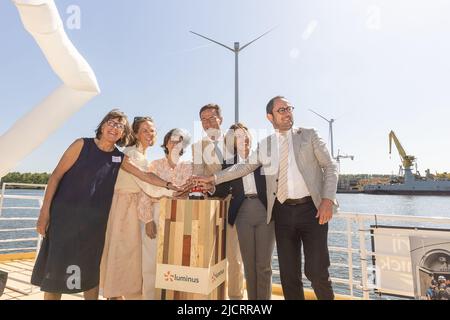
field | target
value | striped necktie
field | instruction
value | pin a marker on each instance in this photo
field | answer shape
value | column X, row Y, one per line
column 282, row 193
column 218, row 151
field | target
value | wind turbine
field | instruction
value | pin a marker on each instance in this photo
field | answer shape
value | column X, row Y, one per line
column 237, row 49
column 330, row 125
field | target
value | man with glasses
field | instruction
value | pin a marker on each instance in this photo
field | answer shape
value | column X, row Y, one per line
column 301, row 181
column 209, row 154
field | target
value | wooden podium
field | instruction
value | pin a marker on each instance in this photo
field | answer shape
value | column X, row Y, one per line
column 191, row 260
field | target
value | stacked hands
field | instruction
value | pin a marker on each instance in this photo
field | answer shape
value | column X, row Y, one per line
column 205, row 183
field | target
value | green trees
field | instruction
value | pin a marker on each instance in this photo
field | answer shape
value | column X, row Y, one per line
column 34, row 178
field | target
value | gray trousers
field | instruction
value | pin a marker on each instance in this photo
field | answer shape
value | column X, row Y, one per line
column 256, row 241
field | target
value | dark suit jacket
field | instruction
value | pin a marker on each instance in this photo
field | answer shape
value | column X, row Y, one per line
column 236, row 188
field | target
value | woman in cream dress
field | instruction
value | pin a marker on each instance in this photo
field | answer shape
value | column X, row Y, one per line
column 121, row 266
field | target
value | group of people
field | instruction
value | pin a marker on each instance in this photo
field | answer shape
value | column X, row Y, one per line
column 439, row 290
column 99, row 218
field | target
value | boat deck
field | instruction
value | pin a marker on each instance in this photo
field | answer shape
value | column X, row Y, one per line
column 19, row 287
column 18, row 284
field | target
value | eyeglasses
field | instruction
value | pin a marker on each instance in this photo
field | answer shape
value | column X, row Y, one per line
column 138, row 119
column 286, row 109
column 116, row 125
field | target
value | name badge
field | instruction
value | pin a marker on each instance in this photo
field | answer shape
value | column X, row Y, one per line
column 116, row 159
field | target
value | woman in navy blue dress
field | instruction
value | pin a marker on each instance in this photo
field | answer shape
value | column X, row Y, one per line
column 74, row 214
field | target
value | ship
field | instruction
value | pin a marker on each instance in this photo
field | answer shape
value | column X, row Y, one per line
column 411, row 183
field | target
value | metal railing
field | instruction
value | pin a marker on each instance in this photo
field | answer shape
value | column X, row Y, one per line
column 355, row 277
column 352, row 274
column 37, row 200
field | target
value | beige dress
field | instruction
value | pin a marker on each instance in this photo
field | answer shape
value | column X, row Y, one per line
column 121, row 266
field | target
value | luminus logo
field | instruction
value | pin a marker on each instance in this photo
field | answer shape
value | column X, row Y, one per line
column 168, row 276
column 216, row 275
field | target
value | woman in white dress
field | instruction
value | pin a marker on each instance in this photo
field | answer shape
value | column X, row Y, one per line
column 121, row 266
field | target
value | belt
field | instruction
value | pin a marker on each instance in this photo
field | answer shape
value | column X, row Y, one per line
column 293, row 202
column 251, row 196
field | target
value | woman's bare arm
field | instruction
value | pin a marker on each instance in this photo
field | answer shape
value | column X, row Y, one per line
column 148, row 177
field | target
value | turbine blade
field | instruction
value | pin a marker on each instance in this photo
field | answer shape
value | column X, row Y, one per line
column 320, row 115
column 220, row 44
column 245, row 46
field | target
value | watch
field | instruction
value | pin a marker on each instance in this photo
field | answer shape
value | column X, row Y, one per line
column 167, row 185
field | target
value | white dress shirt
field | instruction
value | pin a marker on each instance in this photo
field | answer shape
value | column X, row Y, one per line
column 296, row 184
column 248, row 181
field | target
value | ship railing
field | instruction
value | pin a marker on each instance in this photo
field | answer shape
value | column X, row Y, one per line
column 358, row 231
column 350, row 237
column 13, row 244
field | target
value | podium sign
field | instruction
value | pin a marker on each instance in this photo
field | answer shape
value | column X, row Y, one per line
column 191, row 257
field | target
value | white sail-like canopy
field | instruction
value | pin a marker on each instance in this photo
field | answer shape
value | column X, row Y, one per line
column 42, row 20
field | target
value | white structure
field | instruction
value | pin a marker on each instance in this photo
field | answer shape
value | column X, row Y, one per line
column 42, row 20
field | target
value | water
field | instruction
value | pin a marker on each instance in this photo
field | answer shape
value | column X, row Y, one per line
column 14, row 213
column 428, row 206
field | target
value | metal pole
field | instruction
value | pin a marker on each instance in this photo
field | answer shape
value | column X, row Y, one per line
column 331, row 135
column 363, row 258
column 2, row 196
column 350, row 255
column 236, row 82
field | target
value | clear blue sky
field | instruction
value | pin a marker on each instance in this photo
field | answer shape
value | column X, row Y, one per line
column 373, row 65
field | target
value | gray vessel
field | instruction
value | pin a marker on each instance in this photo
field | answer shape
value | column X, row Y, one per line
column 412, row 184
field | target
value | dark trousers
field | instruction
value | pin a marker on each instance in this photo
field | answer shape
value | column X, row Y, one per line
column 297, row 226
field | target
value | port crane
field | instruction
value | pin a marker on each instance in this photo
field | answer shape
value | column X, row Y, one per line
column 407, row 160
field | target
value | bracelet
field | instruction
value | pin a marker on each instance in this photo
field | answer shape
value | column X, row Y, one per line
column 167, row 185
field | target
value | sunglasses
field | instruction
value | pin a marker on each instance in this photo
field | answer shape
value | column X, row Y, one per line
column 138, row 119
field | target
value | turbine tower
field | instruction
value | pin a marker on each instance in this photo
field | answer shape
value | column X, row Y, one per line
column 237, row 49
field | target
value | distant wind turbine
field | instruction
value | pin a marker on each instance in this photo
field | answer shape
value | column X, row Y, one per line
column 330, row 125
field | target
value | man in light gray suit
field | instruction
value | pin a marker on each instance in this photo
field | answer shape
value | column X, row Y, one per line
column 301, row 198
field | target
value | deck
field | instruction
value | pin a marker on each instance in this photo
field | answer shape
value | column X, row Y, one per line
column 19, row 273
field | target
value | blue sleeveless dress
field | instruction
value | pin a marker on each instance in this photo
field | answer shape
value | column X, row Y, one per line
column 69, row 258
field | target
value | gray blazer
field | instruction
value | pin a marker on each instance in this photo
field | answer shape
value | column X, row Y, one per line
column 204, row 158
column 314, row 162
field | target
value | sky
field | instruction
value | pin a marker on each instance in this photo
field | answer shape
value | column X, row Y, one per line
column 374, row 66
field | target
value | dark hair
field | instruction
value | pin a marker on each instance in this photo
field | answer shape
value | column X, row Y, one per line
column 231, row 134
column 135, row 129
column 269, row 108
column 212, row 106
column 116, row 114
column 167, row 139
